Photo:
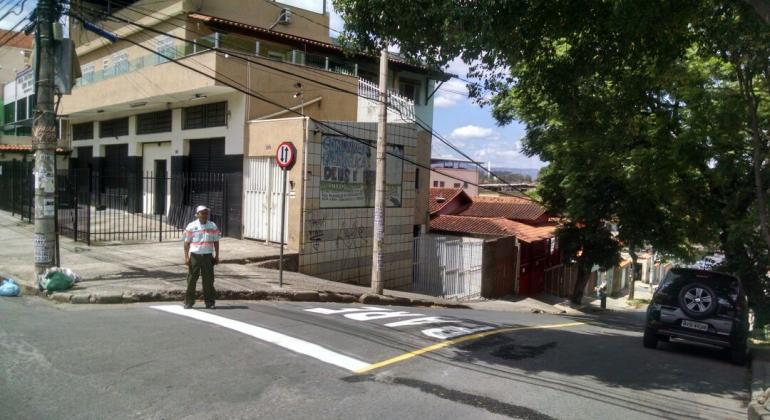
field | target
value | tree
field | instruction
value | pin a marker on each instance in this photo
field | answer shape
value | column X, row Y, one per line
column 646, row 112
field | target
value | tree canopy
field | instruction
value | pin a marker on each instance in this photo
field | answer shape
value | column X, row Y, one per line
column 653, row 116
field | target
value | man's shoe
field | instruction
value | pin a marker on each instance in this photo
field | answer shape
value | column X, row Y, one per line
column 186, row 306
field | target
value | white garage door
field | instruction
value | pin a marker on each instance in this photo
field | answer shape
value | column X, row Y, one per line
column 262, row 200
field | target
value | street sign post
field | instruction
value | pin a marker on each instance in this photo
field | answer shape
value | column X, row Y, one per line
column 285, row 156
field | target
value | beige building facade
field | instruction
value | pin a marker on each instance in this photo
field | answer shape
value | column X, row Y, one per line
column 330, row 195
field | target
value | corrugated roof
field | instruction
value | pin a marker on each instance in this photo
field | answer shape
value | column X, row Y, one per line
column 435, row 196
column 20, row 40
column 492, row 226
column 508, row 207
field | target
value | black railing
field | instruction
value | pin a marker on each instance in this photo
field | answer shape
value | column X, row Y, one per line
column 92, row 207
column 17, row 189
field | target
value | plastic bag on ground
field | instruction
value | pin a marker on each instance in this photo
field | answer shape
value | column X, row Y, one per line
column 71, row 274
column 56, row 281
column 9, row 288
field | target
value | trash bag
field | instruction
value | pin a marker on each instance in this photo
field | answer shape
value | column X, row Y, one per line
column 56, row 281
column 71, row 274
column 9, row 288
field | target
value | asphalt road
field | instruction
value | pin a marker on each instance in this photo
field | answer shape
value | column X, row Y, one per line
column 333, row 361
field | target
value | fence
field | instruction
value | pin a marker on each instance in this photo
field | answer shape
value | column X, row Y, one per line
column 560, row 280
column 16, row 189
column 448, row 268
column 92, row 207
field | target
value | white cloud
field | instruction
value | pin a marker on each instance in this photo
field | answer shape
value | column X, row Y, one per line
column 471, row 131
column 450, row 94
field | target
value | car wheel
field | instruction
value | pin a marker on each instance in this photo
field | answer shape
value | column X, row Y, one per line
column 650, row 338
column 698, row 300
column 738, row 354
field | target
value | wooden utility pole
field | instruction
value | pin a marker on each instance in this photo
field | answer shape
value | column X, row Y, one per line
column 378, row 256
column 44, row 140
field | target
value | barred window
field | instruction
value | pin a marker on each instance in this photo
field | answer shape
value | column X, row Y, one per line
column 83, row 131
column 114, row 128
column 203, row 116
column 153, row 122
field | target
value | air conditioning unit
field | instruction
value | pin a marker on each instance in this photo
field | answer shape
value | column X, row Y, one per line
column 285, row 17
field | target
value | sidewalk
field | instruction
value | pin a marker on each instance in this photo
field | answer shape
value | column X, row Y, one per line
column 759, row 406
column 155, row 272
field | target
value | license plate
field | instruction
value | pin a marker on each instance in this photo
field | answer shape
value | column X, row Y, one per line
column 700, row 326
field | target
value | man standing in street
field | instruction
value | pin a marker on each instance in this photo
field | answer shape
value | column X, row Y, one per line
column 201, row 254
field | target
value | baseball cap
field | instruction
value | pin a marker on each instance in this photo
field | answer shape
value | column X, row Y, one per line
column 200, row 209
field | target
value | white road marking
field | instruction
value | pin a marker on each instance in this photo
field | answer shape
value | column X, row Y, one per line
column 290, row 343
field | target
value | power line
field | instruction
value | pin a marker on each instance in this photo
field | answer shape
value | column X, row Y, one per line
column 238, row 86
column 415, row 119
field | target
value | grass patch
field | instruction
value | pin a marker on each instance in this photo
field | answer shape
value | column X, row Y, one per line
column 638, row 303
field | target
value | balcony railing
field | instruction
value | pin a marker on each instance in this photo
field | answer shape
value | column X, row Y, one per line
column 223, row 42
column 400, row 104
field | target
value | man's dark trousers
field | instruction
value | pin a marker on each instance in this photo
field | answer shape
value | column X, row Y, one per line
column 201, row 264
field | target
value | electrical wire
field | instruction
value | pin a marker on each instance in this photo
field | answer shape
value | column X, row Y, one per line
column 239, row 87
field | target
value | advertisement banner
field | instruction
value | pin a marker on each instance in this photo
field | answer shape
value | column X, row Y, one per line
column 348, row 173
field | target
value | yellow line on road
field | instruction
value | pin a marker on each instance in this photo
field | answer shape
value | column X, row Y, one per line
column 447, row 343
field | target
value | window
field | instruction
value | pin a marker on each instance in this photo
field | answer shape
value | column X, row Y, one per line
column 31, row 102
column 457, row 185
column 83, row 131
column 153, row 122
column 114, row 128
column 9, row 112
column 120, row 63
column 164, row 44
column 88, row 74
column 416, row 178
column 441, row 184
column 21, row 109
column 409, row 89
column 435, row 184
column 203, row 116
column 465, row 185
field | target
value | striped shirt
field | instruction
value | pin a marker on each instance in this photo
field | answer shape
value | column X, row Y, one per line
column 202, row 237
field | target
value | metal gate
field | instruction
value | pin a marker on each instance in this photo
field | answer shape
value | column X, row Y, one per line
column 262, row 200
column 447, row 267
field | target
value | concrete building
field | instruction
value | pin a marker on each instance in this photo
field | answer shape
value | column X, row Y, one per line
column 135, row 112
column 450, row 173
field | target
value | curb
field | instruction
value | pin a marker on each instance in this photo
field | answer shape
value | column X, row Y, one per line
column 760, row 372
column 83, row 297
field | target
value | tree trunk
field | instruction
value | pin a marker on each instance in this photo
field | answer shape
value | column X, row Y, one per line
column 580, row 284
column 758, row 155
column 634, row 257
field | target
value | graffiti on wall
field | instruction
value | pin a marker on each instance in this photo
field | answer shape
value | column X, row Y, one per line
column 348, row 174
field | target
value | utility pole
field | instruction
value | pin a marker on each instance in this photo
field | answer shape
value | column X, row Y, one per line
column 44, row 140
column 378, row 256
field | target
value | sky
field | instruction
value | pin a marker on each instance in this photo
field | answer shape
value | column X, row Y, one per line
column 455, row 117
column 468, row 126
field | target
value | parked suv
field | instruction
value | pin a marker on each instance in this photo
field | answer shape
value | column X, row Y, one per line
column 700, row 306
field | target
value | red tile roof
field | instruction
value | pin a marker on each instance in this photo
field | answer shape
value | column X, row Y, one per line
column 492, row 226
column 514, row 208
column 19, row 40
column 440, row 197
column 22, row 148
